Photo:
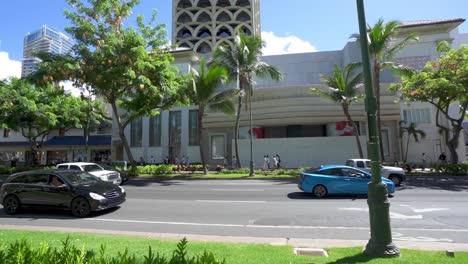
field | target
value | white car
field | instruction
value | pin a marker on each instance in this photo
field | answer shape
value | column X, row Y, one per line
column 395, row 174
column 94, row 169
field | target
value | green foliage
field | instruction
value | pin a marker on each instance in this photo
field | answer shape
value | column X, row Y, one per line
column 452, row 169
column 442, row 83
column 155, row 169
column 130, row 68
column 22, row 252
column 8, row 170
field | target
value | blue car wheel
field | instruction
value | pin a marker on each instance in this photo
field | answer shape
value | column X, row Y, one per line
column 320, row 191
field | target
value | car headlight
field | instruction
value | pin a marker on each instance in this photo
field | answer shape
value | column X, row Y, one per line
column 96, row 196
column 123, row 190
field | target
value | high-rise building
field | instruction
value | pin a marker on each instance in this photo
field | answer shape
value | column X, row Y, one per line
column 44, row 39
column 205, row 24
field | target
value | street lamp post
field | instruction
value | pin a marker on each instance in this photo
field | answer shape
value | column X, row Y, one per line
column 252, row 170
column 380, row 243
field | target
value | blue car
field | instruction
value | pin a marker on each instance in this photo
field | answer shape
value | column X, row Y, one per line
column 337, row 179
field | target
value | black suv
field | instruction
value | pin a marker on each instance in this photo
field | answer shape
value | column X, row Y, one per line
column 77, row 191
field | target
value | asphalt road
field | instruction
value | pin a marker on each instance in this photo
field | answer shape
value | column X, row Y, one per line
column 426, row 210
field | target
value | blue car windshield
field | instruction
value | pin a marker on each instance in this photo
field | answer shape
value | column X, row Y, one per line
column 80, row 178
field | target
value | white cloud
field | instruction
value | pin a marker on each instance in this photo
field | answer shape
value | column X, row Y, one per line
column 8, row 67
column 283, row 45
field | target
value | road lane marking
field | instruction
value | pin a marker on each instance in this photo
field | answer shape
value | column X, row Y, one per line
column 392, row 214
column 228, row 201
column 239, row 190
column 269, row 226
column 425, row 210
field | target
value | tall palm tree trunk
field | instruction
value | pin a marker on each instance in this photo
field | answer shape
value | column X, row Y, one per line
column 356, row 134
column 376, row 81
column 236, row 132
column 201, row 112
column 407, row 147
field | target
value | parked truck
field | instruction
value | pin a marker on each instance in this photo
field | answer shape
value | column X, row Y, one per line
column 395, row 174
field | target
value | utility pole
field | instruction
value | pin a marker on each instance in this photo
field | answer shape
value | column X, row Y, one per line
column 380, row 243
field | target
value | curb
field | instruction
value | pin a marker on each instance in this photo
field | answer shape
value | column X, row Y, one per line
column 294, row 242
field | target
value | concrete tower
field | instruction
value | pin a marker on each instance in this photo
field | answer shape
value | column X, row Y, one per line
column 44, row 39
column 205, row 24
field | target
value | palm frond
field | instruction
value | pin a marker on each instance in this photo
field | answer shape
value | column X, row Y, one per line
column 226, row 107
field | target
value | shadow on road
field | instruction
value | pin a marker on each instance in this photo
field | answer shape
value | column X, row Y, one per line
column 183, row 180
column 33, row 213
column 309, row 196
column 453, row 184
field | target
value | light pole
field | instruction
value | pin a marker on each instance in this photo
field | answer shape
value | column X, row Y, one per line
column 380, row 243
column 252, row 169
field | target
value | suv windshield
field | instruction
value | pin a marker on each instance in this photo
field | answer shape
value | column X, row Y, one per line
column 92, row 167
column 80, row 178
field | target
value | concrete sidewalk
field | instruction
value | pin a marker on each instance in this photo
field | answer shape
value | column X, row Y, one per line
column 294, row 242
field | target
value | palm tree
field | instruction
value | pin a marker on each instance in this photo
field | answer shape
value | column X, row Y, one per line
column 411, row 130
column 243, row 62
column 343, row 89
column 203, row 91
column 382, row 50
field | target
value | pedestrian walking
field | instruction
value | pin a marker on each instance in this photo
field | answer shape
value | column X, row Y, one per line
column 279, row 160
column 268, row 161
column 234, row 162
column 265, row 162
column 275, row 162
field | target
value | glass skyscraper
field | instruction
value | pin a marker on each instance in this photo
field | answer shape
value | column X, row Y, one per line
column 44, row 39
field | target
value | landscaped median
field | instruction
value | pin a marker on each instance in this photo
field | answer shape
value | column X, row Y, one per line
column 32, row 247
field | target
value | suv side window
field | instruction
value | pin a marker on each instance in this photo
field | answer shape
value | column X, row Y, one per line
column 19, row 179
column 38, row 178
column 75, row 167
column 62, row 167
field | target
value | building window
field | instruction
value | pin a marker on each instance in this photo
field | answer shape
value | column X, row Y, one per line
column 155, row 131
column 386, row 142
column 193, row 128
column 294, row 131
column 136, row 132
column 6, row 132
column 175, row 132
column 417, row 116
column 217, row 147
column 61, row 132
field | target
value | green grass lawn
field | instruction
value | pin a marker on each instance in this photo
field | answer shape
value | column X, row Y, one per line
column 233, row 253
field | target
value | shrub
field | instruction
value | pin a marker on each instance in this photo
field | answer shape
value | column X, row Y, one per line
column 22, row 252
column 155, row 169
column 452, row 169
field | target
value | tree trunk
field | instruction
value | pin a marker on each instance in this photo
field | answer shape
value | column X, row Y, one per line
column 201, row 111
column 407, row 147
column 356, row 134
column 122, row 136
column 236, row 132
column 452, row 144
column 376, row 81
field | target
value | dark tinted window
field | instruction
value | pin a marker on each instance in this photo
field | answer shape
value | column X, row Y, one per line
column 74, row 167
column 31, row 179
column 80, row 178
column 353, row 173
column 332, row 172
column 63, row 167
column 360, row 164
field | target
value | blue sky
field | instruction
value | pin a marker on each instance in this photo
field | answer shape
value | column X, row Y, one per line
column 288, row 25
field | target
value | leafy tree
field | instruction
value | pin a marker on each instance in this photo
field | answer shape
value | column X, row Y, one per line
column 37, row 110
column 203, row 90
column 343, row 90
column 442, row 83
column 130, row 68
column 382, row 50
column 243, row 63
column 411, row 130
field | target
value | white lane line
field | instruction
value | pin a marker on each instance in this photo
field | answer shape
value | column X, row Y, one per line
column 392, row 214
column 268, row 226
column 227, row 201
column 429, row 210
column 239, row 190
